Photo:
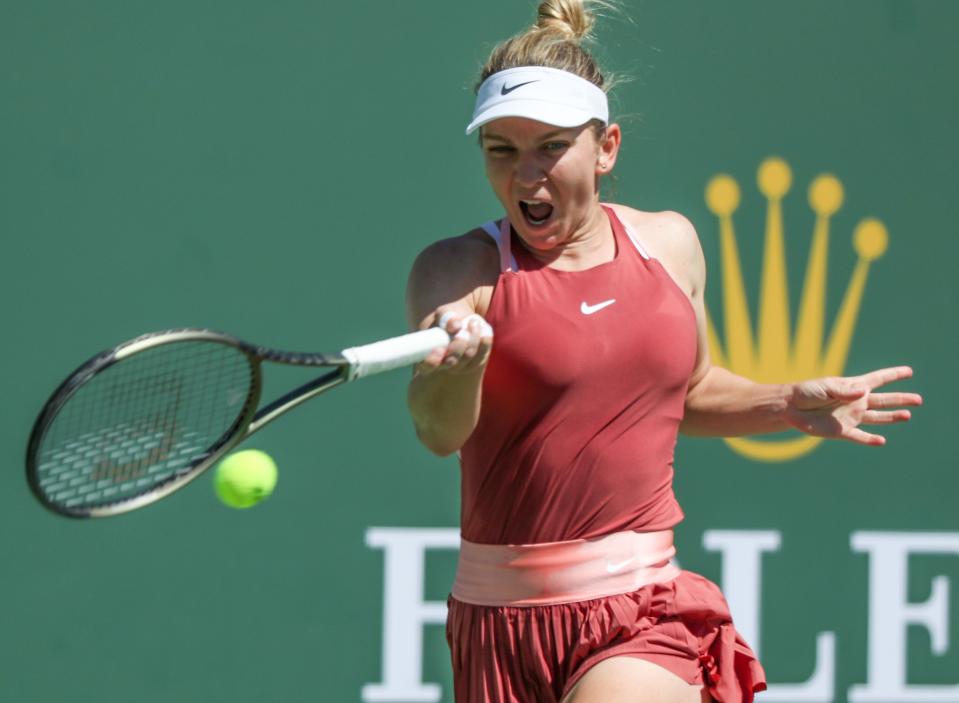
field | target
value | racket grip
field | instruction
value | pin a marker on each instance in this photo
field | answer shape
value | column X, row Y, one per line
column 393, row 353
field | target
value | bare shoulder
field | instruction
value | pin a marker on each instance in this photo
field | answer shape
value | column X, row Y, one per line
column 671, row 238
column 665, row 232
column 473, row 253
column 459, row 271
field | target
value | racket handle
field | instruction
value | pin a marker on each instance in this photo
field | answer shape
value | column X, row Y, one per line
column 393, row 353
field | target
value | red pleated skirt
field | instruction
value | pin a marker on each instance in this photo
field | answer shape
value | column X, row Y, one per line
column 536, row 654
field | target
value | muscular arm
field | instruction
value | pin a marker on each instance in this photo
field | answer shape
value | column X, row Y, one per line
column 718, row 402
column 444, row 395
column 723, row 404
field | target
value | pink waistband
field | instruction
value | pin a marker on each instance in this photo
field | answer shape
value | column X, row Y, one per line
column 563, row 572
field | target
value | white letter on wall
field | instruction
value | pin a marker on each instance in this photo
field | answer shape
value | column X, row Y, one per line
column 742, row 585
column 405, row 612
column 890, row 614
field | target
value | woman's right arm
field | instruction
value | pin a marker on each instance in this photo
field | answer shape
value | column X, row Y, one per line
column 452, row 276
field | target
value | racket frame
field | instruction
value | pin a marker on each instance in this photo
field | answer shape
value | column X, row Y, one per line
column 249, row 420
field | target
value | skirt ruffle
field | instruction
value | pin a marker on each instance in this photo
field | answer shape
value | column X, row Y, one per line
column 731, row 671
column 505, row 654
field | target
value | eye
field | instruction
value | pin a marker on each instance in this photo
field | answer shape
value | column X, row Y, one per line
column 555, row 146
column 499, row 150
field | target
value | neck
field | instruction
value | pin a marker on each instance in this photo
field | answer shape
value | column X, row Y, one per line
column 589, row 244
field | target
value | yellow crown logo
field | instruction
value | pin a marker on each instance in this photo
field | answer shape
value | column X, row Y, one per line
column 772, row 356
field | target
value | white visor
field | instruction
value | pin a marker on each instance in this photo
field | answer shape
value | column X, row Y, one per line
column 538, row 93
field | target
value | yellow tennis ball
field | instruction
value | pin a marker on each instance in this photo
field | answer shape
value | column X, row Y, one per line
column 245, row 478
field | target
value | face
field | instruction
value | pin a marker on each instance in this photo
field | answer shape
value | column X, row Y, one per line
column 547, row 178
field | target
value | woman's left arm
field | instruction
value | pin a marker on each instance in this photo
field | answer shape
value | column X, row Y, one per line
column 723, row 404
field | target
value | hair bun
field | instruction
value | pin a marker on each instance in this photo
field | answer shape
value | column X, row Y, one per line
column 554, row 41
column 572, row 18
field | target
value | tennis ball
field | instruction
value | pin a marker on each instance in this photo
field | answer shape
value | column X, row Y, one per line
column 245, row 478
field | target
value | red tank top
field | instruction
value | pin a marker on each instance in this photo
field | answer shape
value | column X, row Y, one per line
column 582, row 399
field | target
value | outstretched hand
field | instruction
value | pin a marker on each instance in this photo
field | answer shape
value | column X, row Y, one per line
column 835, row 407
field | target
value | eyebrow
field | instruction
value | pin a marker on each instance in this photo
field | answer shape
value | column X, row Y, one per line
column 548, row 135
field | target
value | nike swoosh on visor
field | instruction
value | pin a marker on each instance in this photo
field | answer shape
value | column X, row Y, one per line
column 505, row 91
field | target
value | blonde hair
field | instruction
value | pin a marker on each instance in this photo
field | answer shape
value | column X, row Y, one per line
column 554, row 41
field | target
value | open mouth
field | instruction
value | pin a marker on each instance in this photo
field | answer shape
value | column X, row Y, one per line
column 536, row 212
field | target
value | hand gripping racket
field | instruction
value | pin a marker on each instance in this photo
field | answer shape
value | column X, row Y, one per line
column 138, row 421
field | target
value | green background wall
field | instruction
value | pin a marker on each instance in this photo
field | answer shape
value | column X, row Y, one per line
column 272, row 169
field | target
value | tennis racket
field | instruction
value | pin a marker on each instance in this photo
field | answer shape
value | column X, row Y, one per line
column 137, row 422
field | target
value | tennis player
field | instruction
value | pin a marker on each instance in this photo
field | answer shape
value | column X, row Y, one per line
column 565, row 590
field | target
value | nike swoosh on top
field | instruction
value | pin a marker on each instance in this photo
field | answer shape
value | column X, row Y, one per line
column 506, row 91
column 590, row 309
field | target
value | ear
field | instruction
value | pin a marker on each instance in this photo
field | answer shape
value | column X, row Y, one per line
column 608, row 149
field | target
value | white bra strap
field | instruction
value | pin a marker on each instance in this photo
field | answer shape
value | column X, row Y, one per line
column 500, row 235
column 492, row 230
column 635, row 240
column 507, row 262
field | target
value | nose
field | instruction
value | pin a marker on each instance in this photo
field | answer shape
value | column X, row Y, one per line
column 529, row 171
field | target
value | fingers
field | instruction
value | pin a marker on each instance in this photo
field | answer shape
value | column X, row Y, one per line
column 465, row 345
column 876, row 417
column 894, row 400
column 469, row 347
column 435, row 358
column 861, row 437
column 848, row 402
column 845, row 388
column 881, row 377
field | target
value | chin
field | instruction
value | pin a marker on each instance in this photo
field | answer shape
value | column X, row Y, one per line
column 544, row 236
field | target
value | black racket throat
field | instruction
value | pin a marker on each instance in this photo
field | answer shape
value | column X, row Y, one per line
column 298, row 395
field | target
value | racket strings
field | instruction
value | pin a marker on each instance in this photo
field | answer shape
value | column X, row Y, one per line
column 142, row 422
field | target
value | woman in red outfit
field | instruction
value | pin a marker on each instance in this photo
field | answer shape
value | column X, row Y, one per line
column 566, row 425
